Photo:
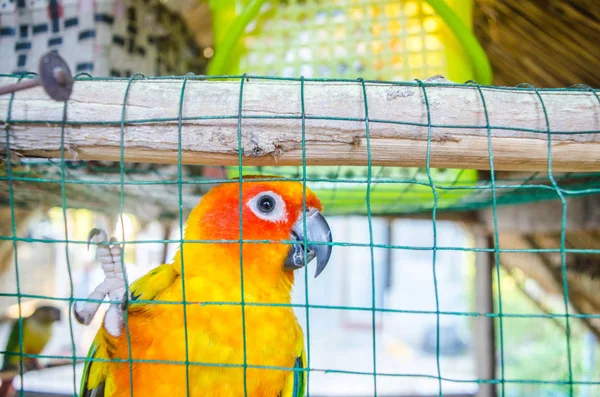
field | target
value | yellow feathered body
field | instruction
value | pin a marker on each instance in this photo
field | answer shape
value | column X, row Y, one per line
column 156, row 321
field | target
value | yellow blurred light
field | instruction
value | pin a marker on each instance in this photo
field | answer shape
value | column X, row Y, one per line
column 340, row 52
column 340, row 33
column 518, row 274
column 397, row 62
column 322, row 35
column 376, row 46
column 434, row 59
column 56, row 215
column 250, row 41
column 393, row 10
column 427, row 10
column 415, row 61
column 394, row 28
column 396, row 45
column 413, row 26
column 125, row 227
column 361, row 48
column 27, row 309
column 430, row 24
column 376, row 29
column 374, row 12
column 432, row 43
column 356, row 13
column 414, row 44
column 83, row 222
column 378, row 64
column 411, row 8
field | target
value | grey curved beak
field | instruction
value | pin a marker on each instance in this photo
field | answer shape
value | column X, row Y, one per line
column 317, row 231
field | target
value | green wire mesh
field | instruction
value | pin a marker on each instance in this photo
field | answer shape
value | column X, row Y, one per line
column 342, row 189
column 73, row 184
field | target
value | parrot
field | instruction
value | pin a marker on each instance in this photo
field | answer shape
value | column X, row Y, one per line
column 37, row 331
column 222, row 336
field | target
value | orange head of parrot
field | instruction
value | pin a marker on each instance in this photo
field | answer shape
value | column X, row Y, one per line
column 278, row 238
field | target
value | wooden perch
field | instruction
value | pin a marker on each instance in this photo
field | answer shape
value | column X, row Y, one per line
column 543, row 217
column 398, row 124
column 538, row 267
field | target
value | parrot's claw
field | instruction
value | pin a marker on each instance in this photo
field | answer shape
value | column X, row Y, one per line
column 113, row 284
column 96, row 232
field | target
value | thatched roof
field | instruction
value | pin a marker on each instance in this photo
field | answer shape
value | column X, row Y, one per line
column 541, row 42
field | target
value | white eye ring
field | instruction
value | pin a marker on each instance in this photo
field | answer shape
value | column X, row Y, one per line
column 277, row 214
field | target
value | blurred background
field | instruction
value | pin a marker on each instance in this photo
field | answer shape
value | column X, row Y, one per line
column 500, row 42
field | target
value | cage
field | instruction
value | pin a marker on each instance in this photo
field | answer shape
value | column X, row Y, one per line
column 464, row 219
column 231, row 113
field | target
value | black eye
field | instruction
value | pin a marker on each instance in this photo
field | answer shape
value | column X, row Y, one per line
column 266, row 204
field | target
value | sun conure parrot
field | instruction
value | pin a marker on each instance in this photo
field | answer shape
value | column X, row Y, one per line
column 37, row 331
column 271, row 210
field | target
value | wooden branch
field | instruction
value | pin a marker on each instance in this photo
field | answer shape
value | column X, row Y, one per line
column 577, row 299
column 538, row 267
column 398, row 124
column 583, row 213
column 485, row 341
column 469, row 218
column 532, row 298
column 528, row 262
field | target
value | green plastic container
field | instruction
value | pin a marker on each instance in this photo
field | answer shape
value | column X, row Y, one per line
column 372, row 39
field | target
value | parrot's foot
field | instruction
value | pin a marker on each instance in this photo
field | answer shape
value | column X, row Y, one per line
column 32, row 364
column 113, row 285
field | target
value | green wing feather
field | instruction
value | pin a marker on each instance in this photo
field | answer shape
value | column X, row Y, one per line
column 12, row 346
column 300, row 376
column 299, row 379
column 84, row 391
column 146, row 287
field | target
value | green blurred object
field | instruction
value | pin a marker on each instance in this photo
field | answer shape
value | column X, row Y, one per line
column 381, row 40
column 409, row 193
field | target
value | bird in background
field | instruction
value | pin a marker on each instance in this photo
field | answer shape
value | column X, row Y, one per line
column 148, row 337
column 37, row 331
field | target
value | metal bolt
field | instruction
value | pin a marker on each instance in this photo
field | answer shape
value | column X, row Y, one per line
column 59, row 75
column 54, row 76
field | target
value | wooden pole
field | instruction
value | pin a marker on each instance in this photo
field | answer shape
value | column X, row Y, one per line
column 166, row 236
column 485, row 342
column 271, row 124
column 544, row 217
column 575, row 298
